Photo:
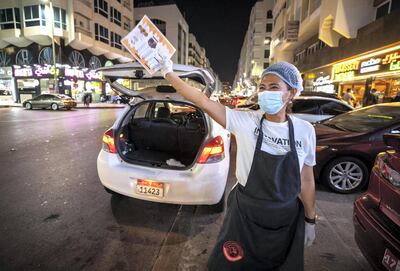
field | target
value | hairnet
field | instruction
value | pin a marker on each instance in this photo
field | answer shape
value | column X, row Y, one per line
column 288, row 73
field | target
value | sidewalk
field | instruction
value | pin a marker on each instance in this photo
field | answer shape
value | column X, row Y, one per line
column 79, row 105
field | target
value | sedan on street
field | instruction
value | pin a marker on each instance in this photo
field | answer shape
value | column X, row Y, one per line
column 376, row 215
column 348, row 144
column 50, row 101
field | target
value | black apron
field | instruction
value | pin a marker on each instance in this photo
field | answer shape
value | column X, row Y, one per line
column 263, row 228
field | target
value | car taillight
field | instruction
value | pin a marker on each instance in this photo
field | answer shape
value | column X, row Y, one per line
column 213, row 151
column 386, row 171
column 109, row 142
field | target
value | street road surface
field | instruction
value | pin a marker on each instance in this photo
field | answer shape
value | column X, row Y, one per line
column 55, row 214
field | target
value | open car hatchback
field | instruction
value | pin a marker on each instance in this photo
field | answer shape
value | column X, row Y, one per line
column 164, row 148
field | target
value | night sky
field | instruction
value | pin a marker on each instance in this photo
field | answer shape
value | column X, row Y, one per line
column 219, row 27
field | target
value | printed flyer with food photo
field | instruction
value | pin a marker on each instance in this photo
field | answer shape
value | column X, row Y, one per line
column 147, row 44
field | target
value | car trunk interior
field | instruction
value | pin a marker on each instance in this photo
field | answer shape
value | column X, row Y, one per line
column 162, row 134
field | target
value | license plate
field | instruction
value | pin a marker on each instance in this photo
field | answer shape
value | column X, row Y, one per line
column 150, row 188
column 390, row 261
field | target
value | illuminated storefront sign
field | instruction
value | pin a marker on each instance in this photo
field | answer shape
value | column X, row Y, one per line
column 69, row 72
column 324, row 84
column 382, row 61
column 48, row 71
column 370, row 65
column 41, row 71
column 345, row 71
column 395, row 66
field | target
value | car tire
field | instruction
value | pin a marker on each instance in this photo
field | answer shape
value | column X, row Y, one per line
column 54, row 107
column 109, row 191
column 28, row 106
column 345, row 175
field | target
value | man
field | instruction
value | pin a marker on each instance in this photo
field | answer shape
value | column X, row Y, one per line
column 271, row 210
column 349, row 97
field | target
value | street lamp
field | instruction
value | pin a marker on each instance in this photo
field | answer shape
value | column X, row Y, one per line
column 51, row 15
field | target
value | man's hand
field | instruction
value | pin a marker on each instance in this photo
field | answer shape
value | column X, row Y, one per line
column 309, row 235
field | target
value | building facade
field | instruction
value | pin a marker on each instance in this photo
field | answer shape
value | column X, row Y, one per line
column 168, row 18
column 85, row 35
column 197, row 54
column 340, row 45
column 255, row 52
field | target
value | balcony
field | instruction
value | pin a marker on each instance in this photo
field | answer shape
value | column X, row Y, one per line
column 83, row 39
column 14, row 37
column 83, row 7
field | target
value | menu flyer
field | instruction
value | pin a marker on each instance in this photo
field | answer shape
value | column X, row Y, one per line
column 147, row 44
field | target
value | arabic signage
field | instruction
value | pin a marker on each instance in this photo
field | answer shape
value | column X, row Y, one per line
column 378, row 63
column 48, row 71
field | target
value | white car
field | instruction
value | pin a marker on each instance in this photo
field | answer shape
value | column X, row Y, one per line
column 314, row 108
column 310, row 106
column 164, row 148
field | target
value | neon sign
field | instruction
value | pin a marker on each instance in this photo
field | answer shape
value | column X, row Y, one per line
column 322, row 80
column 23, row 72
column 345, row 76
column 346, row 67
column 394, row 66
column 390, row 58
column 41, row 71
column 74, row 73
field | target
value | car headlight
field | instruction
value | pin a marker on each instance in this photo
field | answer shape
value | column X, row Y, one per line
column 321, row 148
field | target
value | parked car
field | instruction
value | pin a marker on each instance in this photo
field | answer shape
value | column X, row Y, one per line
column 348, row 144
column 376, row 215
column 312, row 107
column 164, row 148
column 50, row 101
column 318, row 108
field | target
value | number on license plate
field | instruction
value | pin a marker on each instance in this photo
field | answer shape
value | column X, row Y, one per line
column 390, row 261
column 150, row 188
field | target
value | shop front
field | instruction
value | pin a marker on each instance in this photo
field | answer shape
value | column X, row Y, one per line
column 39, row 79
column 76, row 82
column 7, row 86
column 378, row 70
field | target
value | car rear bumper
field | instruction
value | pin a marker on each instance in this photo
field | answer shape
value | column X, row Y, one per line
column 203, row 184
column 371, row 235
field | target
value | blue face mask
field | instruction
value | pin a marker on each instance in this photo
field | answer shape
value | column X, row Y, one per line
column 271, row 101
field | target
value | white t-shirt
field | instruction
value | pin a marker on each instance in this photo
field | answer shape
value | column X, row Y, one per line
column 244, row 125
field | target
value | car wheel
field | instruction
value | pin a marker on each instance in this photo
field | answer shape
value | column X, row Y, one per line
column 346, row 175
column 54, row 107
column 109, row 191
column 28, row 106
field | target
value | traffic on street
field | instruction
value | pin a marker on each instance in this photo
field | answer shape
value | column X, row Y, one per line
column 159, row 135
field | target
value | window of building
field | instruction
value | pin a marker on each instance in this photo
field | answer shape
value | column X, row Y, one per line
column 116, row 40
column 161, row 25
column 101, row 33
column 266, row 53
column 382, row 10
column 101, row 7
column 266, row 65
column 9, row 18
column 115, row 16
column 184, row 47
column 60, row 18
column 34, row 15
column 269, row 27
column 269, row 14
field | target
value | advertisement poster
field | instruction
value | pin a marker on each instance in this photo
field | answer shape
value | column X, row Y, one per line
column 146, row 43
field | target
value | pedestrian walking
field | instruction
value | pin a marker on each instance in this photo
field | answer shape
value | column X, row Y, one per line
column 271, row 209
column 349, row 97
column 397, row 97
column 370, row 97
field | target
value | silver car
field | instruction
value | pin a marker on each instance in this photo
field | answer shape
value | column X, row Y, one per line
column 50, row 101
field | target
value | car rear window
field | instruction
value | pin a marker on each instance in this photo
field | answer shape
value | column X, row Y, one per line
column 366, row 119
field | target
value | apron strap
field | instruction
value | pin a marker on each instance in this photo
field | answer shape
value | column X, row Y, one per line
column 292, row 141
column 260, row 134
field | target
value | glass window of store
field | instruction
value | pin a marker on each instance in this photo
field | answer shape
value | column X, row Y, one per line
column 34, row 15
